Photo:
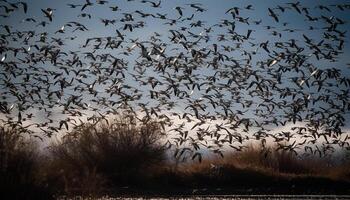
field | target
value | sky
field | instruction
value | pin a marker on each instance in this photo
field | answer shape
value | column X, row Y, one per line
column 291, row 25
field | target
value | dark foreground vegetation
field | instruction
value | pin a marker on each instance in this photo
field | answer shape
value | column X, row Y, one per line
column 122, row 158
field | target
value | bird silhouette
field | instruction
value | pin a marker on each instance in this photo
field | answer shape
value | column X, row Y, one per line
column 213, row 82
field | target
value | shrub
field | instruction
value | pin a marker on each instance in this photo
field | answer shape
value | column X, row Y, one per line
column 118, row 153
column 19, row 165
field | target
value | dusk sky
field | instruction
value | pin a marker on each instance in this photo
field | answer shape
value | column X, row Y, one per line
column 207, row 32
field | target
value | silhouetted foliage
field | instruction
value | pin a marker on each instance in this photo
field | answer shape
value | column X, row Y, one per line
column 117, row 153
column 19, row 166
column 122, row 157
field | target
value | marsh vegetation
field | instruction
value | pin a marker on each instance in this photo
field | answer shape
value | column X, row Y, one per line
column 122, row 157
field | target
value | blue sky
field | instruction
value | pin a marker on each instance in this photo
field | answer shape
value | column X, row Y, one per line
column 296, row 26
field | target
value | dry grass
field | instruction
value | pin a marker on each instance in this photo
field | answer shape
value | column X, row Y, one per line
column 270, row 162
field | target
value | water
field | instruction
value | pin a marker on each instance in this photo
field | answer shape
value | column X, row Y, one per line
column 220, row 197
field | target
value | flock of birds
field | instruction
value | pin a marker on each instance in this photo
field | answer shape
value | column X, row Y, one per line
column 210, row 86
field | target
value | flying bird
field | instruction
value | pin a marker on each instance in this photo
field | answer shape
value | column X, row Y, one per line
column 48, row 13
